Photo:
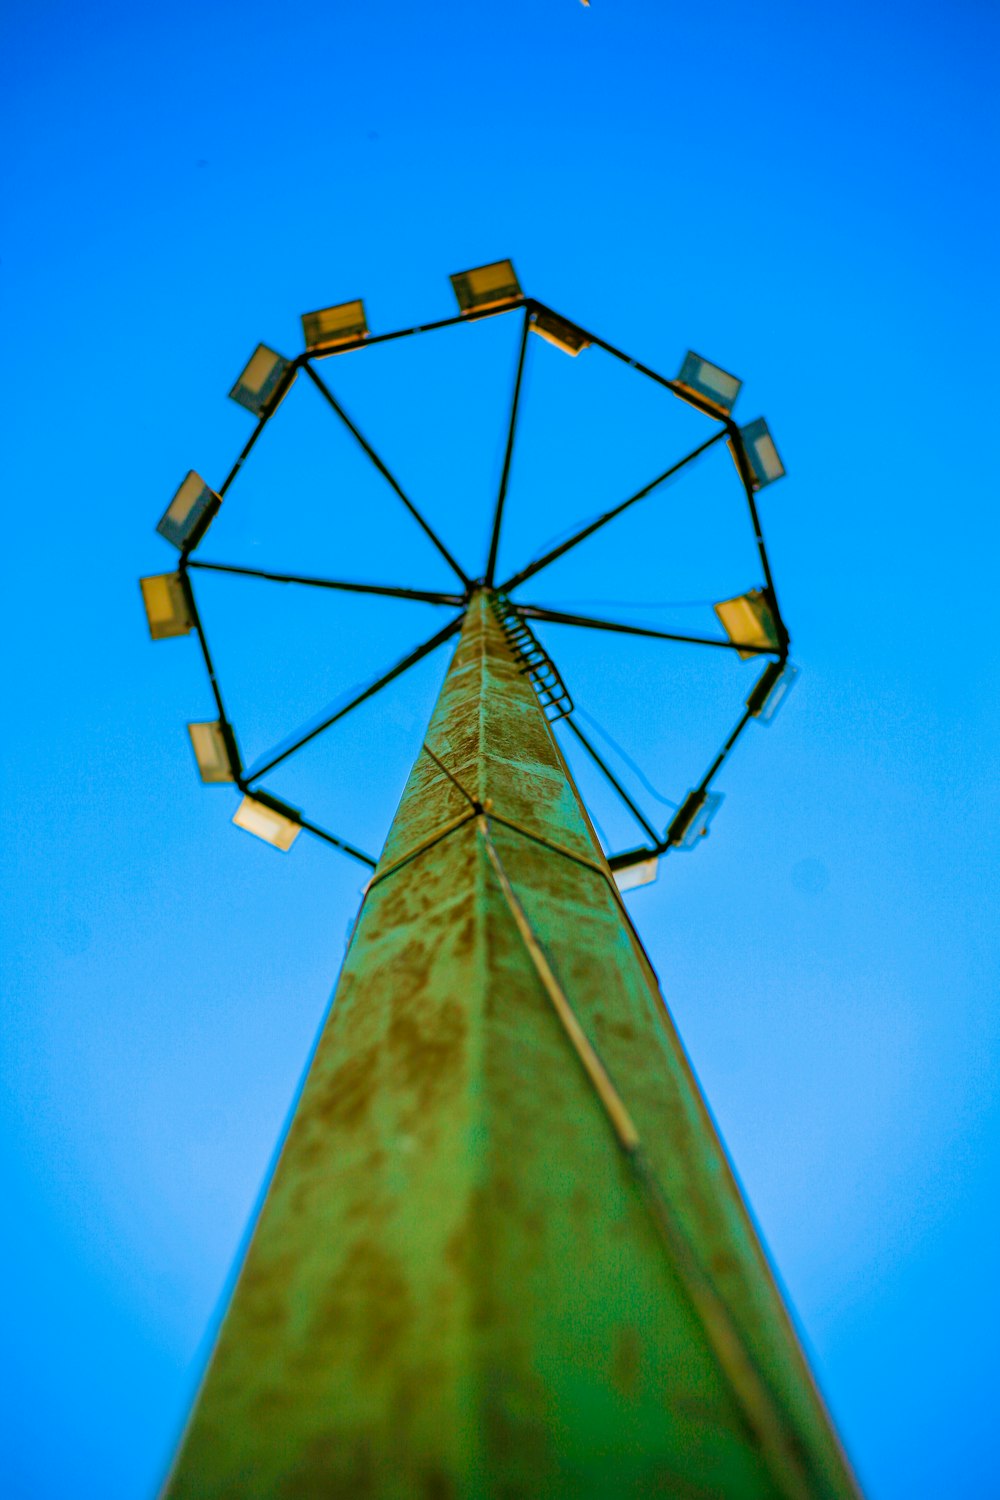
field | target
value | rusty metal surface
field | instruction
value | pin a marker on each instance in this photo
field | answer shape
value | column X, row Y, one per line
column 455, row 1290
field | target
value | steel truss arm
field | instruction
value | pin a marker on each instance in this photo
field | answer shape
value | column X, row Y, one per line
column 610, row 776
column 508, row 454
column 368, row 340
column 421, row 596
column 362, row 697
column 302, row 362
column 329, row 397
column 716, row 765
column 244, row 453
column 229, row 738
column 743, row 466
column 670, row 385
column 557, row 617
column 610, row 515
column 664, row 845
column 341, row 844
column 232, row 753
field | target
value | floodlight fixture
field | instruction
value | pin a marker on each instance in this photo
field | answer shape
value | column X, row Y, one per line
column 330, row 327
column 557, row 331
column 262, row 377
column 776, row 682
column 189, row 514
column 762, row 456
column 168, row 609
column 749, row 620
column 713, row 386
column 486, row 286
column 269, row 819
column 214, row 746
column 690, row 822
column 644, row 872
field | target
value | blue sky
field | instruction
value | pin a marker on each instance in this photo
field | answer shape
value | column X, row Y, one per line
column 802, row 196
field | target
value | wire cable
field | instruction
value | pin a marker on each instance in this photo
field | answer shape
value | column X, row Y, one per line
column 624, row 755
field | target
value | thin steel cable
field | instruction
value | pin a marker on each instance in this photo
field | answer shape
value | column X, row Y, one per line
column 612, row 779
column 624, row 755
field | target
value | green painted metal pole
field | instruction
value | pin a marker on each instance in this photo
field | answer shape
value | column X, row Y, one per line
column 503, row 1254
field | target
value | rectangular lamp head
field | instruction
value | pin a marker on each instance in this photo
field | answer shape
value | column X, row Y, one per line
column 714, row 386
column 690, row 823
column 775, row 683
column 189, row 514
column 557, row 331
column 486, row 286
column 214, row 746
column 256, row 386
column 748, row 620
column 167, row 610
column 330, row 327
column 762, row 456
column 268, row 819
column 643, row 872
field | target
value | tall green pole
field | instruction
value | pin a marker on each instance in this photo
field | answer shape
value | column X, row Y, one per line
column 503, row 1254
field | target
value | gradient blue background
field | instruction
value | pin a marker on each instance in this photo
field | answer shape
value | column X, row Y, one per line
column 802, row 196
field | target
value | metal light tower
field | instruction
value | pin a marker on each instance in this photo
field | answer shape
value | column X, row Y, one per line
column 502, row 1253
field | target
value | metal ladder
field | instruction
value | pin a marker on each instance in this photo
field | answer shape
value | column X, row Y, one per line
column 532, row 658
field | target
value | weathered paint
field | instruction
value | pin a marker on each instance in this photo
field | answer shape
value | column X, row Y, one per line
column 456, row 1289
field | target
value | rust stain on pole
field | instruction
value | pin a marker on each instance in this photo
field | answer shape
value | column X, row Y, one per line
column 468, row 1280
